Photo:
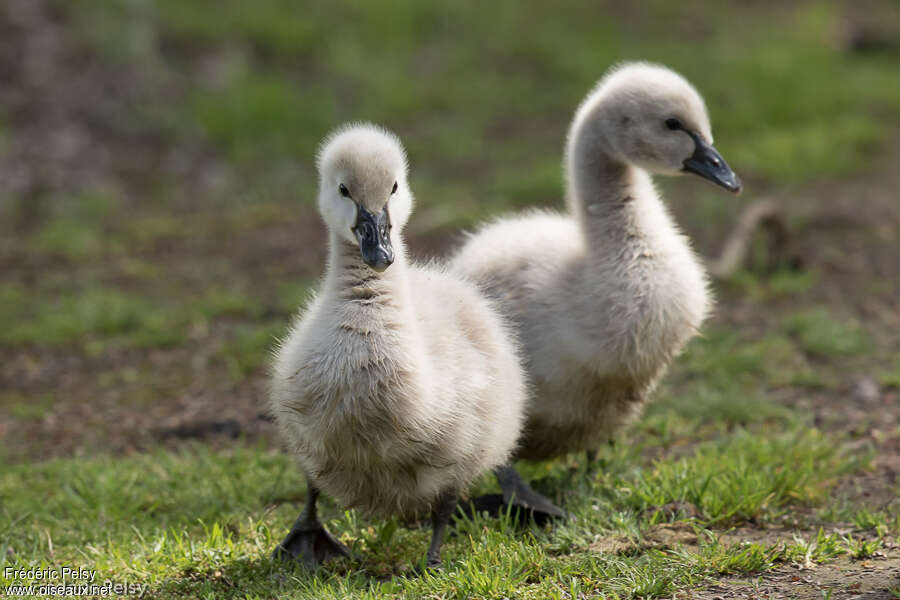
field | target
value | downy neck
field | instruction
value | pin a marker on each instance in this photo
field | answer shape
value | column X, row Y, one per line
column 352, row 279
column 606, row 195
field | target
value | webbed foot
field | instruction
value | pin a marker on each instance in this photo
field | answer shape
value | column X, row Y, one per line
column 311, row 545
column 309, row 542
column 518, row 496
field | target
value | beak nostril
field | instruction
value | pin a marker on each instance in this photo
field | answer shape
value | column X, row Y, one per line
column 709, row 164
column 374, row 240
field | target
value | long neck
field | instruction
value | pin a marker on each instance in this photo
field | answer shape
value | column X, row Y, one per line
column 350, row 278
column 371, row 320
column 610, row 199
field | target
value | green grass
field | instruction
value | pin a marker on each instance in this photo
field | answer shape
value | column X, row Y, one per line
column 267, row 82
column 249, row 348
column 95, row 315
column 23, row 407
column 822, row 334
column 482, row 95
column 200, row 523
column 745, row 479
column 99, row 317
column 783, row 283
column 788, row 105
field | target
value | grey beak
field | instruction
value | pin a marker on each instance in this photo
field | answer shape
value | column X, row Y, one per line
column 709, row 164
column 373, row 234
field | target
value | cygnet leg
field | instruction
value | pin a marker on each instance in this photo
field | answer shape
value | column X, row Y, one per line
column 308, row 540
column 440, row 517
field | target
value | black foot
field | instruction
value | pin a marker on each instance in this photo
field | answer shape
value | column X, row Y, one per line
column 311, row 545
column 519, row 494
column 495, row 506
column 591, row 467
column 492, row 504
column 527, row 498
column 518, row 497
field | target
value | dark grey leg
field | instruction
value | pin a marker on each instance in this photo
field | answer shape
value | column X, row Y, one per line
column 440, row 517
column 308, row 541
column 591, row 458
column 518, row 493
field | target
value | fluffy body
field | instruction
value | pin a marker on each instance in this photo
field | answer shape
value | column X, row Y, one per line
column 394, row 387
column 604, row 297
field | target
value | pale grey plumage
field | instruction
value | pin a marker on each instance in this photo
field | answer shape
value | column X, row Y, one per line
column 605, row 296
column 392, row 387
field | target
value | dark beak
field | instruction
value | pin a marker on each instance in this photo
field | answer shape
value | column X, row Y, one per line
column 373, row 232
column 709, row 164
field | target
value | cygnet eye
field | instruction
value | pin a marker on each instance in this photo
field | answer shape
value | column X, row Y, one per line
column 673, row 123
column 344, row 191
column 394, row 189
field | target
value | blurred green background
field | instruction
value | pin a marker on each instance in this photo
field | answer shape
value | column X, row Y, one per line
column 157, row 215
column 158, row 231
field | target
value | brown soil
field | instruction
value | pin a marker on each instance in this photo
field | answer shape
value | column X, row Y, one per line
column 873, row 579
column 877, row 577
column 68, row 127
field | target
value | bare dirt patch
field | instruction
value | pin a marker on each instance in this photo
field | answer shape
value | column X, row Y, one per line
column 877, row 577
column 871, row 579
column 182, row 387
column 666, row 536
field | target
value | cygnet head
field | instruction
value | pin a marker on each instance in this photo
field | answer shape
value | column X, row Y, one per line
column 651, row 117
column 363, row 193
